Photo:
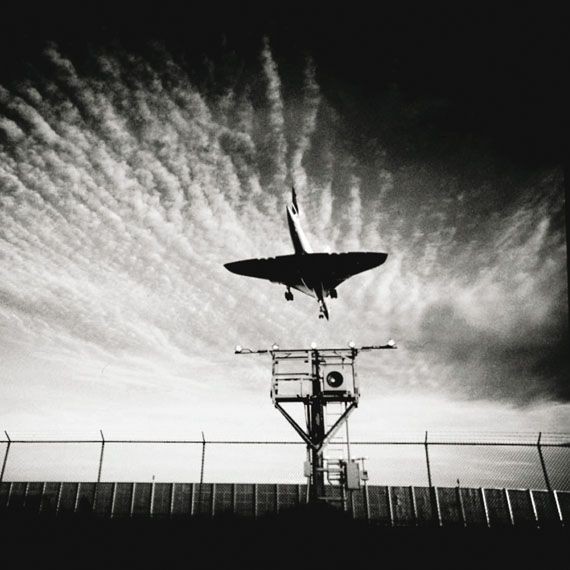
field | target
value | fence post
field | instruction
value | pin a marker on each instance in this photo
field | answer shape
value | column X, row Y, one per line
column 203, row 459
column 427, row 461
column 5, row 456
column 199, row 501
column 432, row 491
column 547, row 480
column 543, row 464
column 101, row 456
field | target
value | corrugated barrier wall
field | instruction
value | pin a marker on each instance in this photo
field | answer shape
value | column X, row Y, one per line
column 388, row 506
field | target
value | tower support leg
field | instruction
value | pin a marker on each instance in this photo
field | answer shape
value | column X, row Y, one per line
column 316, row 430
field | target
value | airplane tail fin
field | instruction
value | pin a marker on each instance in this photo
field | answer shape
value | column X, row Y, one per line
column 300, row 241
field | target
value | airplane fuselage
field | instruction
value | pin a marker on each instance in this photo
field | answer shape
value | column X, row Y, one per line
column 311, row 282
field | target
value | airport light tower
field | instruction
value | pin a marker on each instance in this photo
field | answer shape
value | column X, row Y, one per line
column 317, row 377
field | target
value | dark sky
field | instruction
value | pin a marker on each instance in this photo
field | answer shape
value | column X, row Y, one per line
column 475, row 74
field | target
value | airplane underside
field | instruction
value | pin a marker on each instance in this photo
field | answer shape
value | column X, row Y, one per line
column 314, row 274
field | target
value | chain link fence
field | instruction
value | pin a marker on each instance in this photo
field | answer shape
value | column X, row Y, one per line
column 515, row 461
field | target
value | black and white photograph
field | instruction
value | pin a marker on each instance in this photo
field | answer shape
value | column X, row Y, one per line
column 284, row 285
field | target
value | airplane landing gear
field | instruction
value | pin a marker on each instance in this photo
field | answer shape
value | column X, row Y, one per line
column 288, row 295
column 323, row 313
column 333, row 294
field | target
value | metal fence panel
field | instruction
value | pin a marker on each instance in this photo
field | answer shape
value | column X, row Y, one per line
column 223, row 498
column 393, row 464
column 485, row 466
column 37, row 461
column 266, row 499
column 546, row 510
column 497, row 507
column 378, row 504
column 202, row 500
column 123, row 500
column 147, row 462
column 334, row 496
column 449, row 506
column 473, row 508
column 50, row 498
column 67, row 498
column 162, row 500
column 252, row 463
column 86, row 497
column 142, row 498
column 16, row 497
column 402, row 506
column 557, row 463
column 425, row 511
column 287, row 497
column 182, row 500
column 33, row 497
column 243, row 499
column 104, row 499
column 357, row 504
column 521, row 507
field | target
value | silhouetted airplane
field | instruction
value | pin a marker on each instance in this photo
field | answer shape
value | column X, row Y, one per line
column 315, row 274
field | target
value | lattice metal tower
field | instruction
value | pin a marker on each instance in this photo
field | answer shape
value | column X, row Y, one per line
column 317, row 378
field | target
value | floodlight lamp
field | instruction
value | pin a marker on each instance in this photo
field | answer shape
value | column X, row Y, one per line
column 313, row 345
column 351, row 344
column 238, row 348
column 274, row 346
column 391, row 342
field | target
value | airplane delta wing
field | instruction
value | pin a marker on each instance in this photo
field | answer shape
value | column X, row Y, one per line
column 282, row 269
column 338, row 267
column 315, row 274
column 310, row 271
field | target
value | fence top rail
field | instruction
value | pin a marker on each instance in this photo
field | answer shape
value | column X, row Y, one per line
column 283, row 442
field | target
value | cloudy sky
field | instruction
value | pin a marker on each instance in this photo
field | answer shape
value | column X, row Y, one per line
column 133, row 165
